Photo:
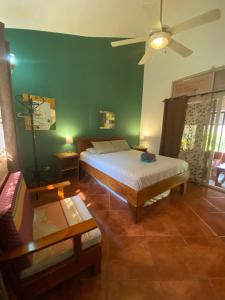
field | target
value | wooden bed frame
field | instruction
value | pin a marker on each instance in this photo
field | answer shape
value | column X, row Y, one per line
column 136, row 199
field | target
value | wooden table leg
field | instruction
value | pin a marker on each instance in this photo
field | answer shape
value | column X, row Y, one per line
column 217, row 177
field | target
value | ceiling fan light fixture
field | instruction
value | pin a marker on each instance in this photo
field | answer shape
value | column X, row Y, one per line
column 159, row 40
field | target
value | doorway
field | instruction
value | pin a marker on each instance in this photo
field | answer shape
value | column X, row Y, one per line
column 217, row 172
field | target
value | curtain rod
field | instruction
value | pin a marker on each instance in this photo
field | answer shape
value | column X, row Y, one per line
column 200, row 94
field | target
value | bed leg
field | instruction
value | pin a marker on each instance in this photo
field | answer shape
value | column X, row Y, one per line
column 135, row 211
column 183, row 188
column 82, row 173
column 96, row 267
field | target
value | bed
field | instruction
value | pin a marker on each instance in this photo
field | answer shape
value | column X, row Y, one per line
column 125, row 174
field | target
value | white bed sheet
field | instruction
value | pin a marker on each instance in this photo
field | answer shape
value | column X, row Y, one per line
column 126, row 167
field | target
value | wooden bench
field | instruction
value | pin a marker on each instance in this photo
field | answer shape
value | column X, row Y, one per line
column 43, row 247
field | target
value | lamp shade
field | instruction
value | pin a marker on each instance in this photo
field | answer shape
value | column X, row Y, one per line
column 69, row 140
column 159, row 40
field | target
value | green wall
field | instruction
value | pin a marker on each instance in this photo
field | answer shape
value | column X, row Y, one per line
column 84, row 75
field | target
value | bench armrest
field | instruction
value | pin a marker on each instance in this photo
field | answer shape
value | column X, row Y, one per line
column 74, row 231
column 53, row 186
column 50, row 187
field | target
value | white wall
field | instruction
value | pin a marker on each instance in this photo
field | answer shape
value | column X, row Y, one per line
column 208, row 44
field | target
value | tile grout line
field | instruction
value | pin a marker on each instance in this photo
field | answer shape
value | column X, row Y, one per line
column 197, row 215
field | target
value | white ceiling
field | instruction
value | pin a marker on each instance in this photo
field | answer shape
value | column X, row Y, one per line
column 102, row 18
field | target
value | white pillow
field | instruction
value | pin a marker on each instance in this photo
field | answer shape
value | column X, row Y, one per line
column 91, row 150
column 103, row 147
column 120, row 145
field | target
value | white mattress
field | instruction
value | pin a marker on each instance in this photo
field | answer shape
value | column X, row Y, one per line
column 126, row 167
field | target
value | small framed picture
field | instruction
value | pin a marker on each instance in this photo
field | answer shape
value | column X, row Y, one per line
column 107, row 120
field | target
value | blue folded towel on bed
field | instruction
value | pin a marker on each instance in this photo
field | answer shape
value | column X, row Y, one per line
column 148, row 157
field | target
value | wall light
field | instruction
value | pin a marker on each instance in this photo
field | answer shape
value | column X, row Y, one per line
column 12, row 60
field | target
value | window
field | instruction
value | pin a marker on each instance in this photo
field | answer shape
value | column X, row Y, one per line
column 197, row 84
column 220, row 136
column 208, row 81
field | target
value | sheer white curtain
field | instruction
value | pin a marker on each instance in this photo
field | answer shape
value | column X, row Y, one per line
column 196, row 143
column 3, row 160
column 7, row 107
column 203, row 131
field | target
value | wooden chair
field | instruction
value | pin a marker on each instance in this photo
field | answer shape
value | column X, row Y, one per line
column 218, row 159
column 38, row 256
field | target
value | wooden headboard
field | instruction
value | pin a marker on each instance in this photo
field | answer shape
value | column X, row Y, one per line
column 85, row 142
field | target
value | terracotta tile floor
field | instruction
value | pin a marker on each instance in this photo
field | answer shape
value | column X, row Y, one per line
column 176, row 252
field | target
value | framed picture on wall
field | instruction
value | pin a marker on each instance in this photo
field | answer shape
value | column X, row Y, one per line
column 107, row 119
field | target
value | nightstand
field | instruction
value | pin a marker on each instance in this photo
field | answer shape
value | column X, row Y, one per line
column 67, row 165
column 139, row 148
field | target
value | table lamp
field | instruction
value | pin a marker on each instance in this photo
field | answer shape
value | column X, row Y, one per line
column 69, row 141
column 142, row 137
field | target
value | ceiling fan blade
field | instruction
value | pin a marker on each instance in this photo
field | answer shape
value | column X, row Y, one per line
column 158, row 26
column 129, row 41
column 205, row 18
column 179, row 48
column 149, row 9
column 146, row 57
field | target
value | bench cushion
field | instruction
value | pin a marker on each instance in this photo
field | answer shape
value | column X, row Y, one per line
column 76, row 211
column 56, row 216
column 16, row 217
column 48, row 218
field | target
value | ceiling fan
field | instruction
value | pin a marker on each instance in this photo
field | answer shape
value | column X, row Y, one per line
column 161, row 36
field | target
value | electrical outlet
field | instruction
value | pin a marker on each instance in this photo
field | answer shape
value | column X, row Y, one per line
column 46, row 168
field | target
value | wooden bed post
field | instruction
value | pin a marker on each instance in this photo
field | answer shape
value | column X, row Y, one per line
column 96, row 267
column 135, row 211
column 183, row 188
